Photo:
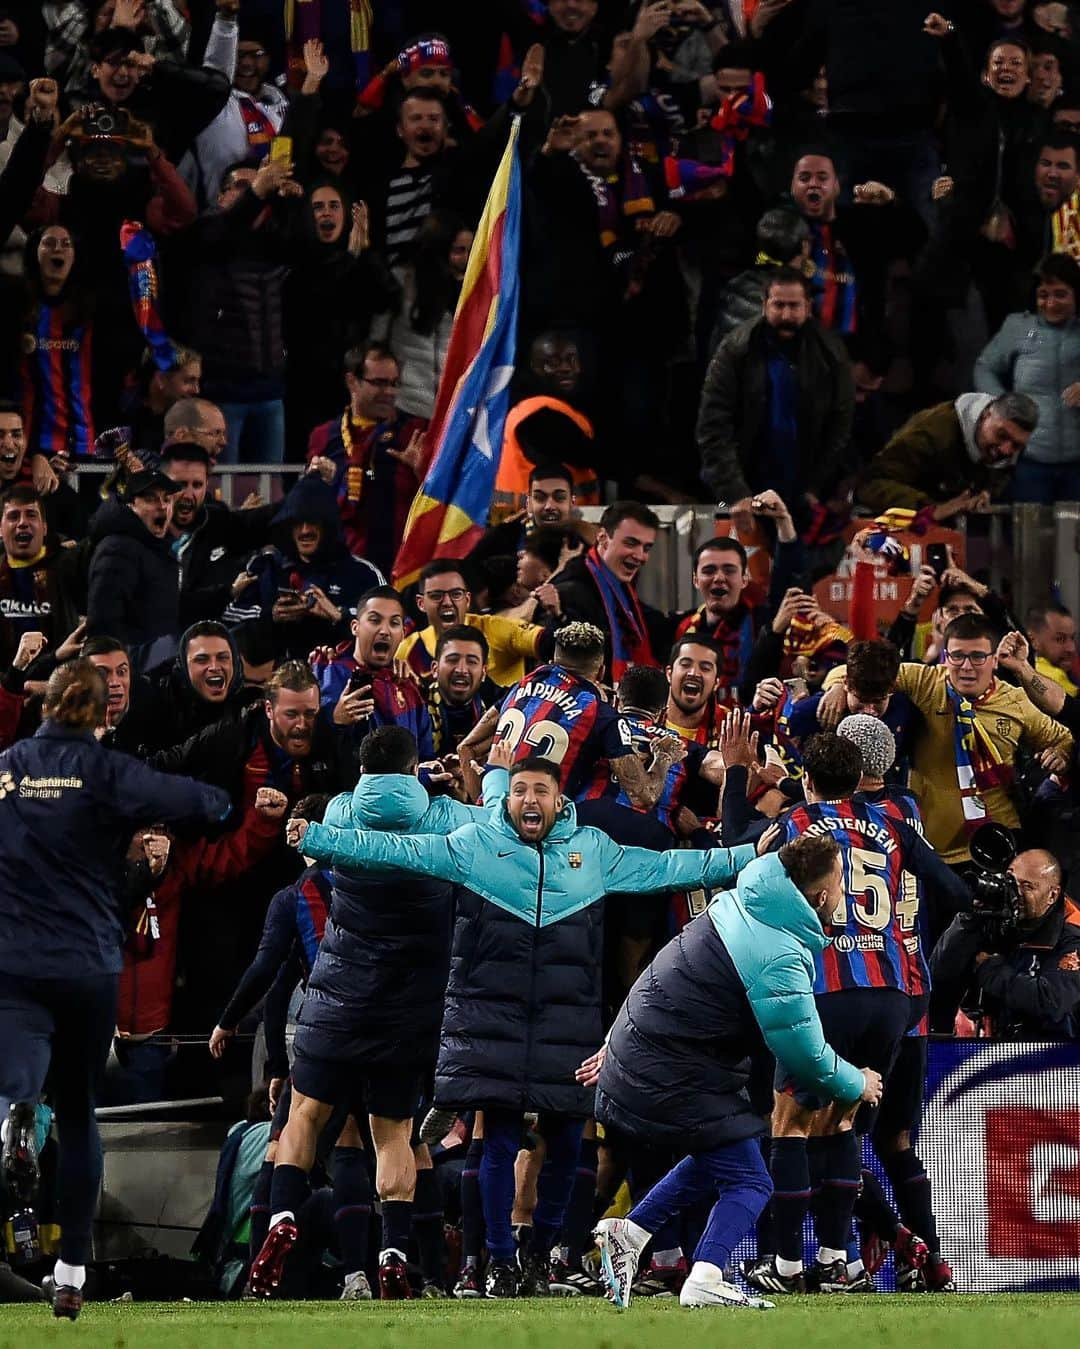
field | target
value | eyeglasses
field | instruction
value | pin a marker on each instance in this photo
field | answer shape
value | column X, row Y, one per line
column 977, row 658
column 381, row 383
column 458, row 593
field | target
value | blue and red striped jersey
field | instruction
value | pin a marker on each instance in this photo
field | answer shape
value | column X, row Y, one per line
column 560, row 716
column 877, row 945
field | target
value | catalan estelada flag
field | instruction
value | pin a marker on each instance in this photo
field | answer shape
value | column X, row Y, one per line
column 464, row 438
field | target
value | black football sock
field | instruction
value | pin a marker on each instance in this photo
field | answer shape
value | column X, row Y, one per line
column 472, row 1213
column 578, row 1223
column 791, row 1196
column 873, row 1209
column 427, row 1223
column 839, row 1186
column 396, row 1223
column 352, row 1206
column 911, row 1185
column 288, row 1190
column 260, row 1209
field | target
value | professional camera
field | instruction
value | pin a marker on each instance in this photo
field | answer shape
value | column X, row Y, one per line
column 995, row 896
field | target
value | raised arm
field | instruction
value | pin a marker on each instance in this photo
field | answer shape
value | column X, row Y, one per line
column 641, row 871
column 424, row 854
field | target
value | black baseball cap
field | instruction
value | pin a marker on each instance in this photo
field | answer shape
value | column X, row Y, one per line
column 149, row 480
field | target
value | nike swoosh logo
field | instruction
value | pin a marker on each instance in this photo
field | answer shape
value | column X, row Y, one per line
column 506, row 854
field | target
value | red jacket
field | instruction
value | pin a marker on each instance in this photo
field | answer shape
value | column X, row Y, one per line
column 146, row 981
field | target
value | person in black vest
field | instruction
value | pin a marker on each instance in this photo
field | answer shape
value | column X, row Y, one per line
column 67, row 811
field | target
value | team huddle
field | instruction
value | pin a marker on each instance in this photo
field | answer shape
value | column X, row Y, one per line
column 468, row 971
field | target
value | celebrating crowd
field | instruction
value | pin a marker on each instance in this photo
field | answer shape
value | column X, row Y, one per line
column 488, row 836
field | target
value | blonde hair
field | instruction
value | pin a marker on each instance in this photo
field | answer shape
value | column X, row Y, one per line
column 75, row 696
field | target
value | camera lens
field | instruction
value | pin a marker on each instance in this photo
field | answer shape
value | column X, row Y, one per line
column 105, row 123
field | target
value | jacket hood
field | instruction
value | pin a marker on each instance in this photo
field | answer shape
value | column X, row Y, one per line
column 769, row 897
column 969, row 408
column 179, row 674
column 313, row 502
column 393, row 801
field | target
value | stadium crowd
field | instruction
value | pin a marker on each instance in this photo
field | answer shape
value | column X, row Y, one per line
column 811, row 262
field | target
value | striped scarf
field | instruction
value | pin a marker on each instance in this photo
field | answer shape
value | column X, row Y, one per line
column 735, row 633
column 625, row 623
column 735, row 118
column 978, row 764
column 616, row 198
column 140, row 254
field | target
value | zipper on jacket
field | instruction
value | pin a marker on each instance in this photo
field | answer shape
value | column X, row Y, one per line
column 532, row 976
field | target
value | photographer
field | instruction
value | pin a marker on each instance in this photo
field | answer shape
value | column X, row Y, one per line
column 1019, row 978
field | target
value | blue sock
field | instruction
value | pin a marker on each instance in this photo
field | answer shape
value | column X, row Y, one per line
column 396, row 1222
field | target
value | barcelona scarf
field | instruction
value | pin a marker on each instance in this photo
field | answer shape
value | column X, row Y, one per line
column 629, row 196
column 737, row 115
column 979, row 767
column 735, row 635
column 687, row 177
column 140, row 255
column 630, row 643
column 882, row 540
column 814, row 638
column 258, row 127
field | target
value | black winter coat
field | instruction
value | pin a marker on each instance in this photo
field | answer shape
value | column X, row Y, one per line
column 735, row 404
column 513, row 1042
column 214, row 557
column 678, row 1057
column 134, row 591
column 236, row 316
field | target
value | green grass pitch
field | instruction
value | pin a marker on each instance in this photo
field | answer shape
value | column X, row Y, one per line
column 879, row 1322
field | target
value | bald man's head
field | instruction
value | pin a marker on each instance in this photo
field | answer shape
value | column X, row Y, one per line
column 1038, row 874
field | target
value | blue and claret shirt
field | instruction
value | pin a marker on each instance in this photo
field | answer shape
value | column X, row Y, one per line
column 878, row 946
column 605, row 786
column 563, row 717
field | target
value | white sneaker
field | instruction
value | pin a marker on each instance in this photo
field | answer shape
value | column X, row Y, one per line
column 620, row 1242
column 357, row 1288
column 706, row 1287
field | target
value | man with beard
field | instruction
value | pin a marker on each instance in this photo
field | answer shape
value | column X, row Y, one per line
column 777, row 405
column 458, row 688
column 1055, row 225
column 953, row 457
column 210, row 540
column 134, row 578
column 360, row 684
column 37, row 583
column 721, row 579
column 525, row 987
column 307, row 584
column 600, row 588
column 281, row 742
column 444, row 598
column 370, row 456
